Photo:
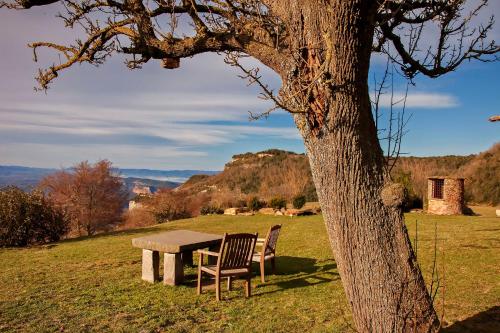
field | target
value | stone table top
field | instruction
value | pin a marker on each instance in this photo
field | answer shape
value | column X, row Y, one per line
column 177, row 241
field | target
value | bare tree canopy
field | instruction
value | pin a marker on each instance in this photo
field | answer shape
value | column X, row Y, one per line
column 321, row 50
column 91, row 196
column 150, row 30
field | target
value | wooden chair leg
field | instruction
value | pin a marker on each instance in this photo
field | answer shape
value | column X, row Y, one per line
column 199, row 289
column 262, row 271
column 217, row 287
column 229, row 284
column 248, row 286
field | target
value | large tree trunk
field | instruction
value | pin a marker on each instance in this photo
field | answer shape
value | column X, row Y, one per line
column 375, row 259
column 370, row 242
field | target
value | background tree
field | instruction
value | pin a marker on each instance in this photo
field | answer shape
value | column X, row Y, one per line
column 29, row 218
column 168, row 205
column 321, row 50
column 92, row 196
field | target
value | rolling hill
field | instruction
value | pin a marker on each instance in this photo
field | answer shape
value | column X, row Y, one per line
column 273, row 173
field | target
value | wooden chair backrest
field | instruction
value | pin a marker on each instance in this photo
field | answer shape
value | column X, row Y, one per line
column 272, row 239
column 236, row 251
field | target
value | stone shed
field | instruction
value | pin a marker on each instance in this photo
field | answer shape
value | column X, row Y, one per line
column 445, row 196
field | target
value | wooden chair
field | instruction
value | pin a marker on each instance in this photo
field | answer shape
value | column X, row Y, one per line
column 234, row 260
column 268, row 250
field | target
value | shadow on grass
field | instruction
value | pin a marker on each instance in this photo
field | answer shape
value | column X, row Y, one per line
column 293, row 272
column 286, row 265
column 297, row 272
column 483, row 322
column 128, row 232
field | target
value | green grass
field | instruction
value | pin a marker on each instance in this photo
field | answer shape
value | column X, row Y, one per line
column 93, row 284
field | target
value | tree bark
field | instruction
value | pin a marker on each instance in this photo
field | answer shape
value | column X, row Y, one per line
column 379, row 271
column 377, row 265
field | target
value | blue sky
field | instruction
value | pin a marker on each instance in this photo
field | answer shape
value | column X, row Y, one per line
column 195, row 117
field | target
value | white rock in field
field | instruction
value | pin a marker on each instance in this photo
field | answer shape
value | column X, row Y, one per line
column 231, row 211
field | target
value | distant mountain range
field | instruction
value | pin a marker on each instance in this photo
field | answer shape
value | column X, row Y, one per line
column 177, row 176
column 27, row 177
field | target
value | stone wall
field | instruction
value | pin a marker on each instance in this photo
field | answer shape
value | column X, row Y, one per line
column 452, row 202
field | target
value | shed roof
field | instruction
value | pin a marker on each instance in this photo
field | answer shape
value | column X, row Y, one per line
column 445, row 177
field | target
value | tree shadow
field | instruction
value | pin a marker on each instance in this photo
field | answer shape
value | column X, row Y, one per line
column 297, row 272
column 483, row 322
column 128, row 232
column 292, row 272
column 287, row 265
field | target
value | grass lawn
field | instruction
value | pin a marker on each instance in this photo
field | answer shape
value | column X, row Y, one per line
column 93, row 284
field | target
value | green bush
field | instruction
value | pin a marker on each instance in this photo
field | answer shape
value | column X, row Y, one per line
column 28, row 218
column 211, row 210
column 255, row 204
column 412, row 200
column 277, row 203
column 299, row 201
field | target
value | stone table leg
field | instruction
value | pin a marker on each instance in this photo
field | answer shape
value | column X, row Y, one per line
column 150, row 265
column 187, row 258
column 173, row 273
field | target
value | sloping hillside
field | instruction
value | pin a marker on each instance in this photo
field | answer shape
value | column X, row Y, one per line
column 414, row 171
column 482, row 176
column 272, row 173
column 481, row 173
column 266, row 174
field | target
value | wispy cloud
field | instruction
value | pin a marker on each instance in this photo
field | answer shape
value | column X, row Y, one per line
column 420, row 100
column 164, row 157
column 140, row 130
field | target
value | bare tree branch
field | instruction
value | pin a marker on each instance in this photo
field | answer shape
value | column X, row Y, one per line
column 130, row 27
column 397, row 120
column 402, row 23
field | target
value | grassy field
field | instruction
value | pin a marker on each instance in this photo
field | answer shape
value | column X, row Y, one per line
column 93, row 284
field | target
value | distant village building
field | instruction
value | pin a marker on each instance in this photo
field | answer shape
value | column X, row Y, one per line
column 445, row 196
column 132, row 204
column 141, row 191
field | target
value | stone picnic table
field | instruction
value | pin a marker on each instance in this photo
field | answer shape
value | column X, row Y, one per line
column 178, row 247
